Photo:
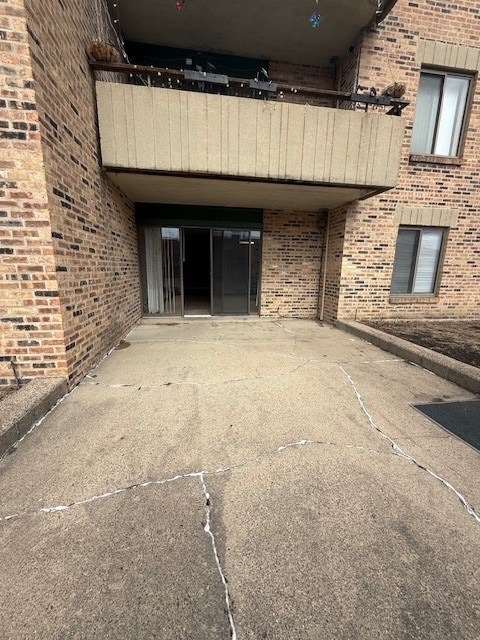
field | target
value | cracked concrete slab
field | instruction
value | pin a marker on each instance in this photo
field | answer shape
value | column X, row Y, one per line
column 295, row 339
column 248, row 405
column 137, row 566
column 330, row 544
column 95, row 441
column 409, row 384
column 413, row 431
column 452, row 458
column 171, row 362
column 131, row 434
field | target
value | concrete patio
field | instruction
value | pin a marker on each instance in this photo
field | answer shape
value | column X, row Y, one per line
column 249, row 477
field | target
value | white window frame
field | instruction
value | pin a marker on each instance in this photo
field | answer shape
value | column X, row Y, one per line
column 436, row 282
column 444, row 75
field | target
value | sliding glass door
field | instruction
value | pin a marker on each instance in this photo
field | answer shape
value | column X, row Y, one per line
column 236, row 271
column 230, row 271
column 198, row 271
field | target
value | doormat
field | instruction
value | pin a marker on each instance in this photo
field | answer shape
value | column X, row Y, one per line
column 460, row 418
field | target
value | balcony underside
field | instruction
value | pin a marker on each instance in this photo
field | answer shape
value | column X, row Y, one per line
column 268, row 29
column 218, row 192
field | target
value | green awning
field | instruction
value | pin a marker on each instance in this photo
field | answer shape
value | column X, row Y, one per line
column 175, row 215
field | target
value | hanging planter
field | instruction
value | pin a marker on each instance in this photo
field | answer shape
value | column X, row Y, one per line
column 104, row 52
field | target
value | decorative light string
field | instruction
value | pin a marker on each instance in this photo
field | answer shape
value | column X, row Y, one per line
column 105, row 23
column 315, row 18
column 102, row 10
column 379, row 5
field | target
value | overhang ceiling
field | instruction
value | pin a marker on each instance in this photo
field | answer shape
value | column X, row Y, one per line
column 158, row 188
column 267, row 29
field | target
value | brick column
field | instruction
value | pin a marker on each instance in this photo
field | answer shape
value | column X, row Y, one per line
column 30, row 316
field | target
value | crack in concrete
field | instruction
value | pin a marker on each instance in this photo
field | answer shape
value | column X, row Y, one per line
column 217, row 343
column 208, row 529
column 289, row 332
column 236, row 347
column 304, row 362
column 194, row 383
column 190, row 474
column 280, row 354
column 101, row 496
column 381, row 361
column 399, row 451
column 290, row 445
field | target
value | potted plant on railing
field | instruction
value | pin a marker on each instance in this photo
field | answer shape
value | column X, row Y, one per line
column 104, row 52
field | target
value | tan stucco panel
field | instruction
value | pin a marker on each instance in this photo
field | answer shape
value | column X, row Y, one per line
column 426, row 216
column 454, row 56
column 149, row 128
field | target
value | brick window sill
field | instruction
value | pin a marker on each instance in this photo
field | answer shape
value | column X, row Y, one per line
column 433, row 159
column 409, row 299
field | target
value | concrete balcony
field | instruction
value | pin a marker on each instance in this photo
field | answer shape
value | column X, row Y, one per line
column 292, row 154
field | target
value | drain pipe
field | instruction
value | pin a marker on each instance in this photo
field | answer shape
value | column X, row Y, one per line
column 324, row 275
column 15, row 373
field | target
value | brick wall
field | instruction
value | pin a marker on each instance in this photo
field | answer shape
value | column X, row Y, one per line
column 388, row 55
column 93, row 231
column 349, row 68
column 334, row 256
column 299, row 75
column 291, row 260
column 31, row 328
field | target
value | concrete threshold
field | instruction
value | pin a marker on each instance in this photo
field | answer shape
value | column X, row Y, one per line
column 175, row 320
column 464, row 375
column 21, row 410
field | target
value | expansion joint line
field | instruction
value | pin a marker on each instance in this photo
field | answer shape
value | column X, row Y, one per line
column 399, row 451
column 207, row 527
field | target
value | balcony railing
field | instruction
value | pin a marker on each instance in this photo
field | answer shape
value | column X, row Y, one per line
column 199, row 81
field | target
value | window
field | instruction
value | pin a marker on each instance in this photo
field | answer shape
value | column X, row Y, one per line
column 440, row 113
column 417, row 256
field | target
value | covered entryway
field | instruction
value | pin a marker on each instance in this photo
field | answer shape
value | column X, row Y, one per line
column 199, row 261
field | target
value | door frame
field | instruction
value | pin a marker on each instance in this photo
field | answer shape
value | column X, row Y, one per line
column 183, row 228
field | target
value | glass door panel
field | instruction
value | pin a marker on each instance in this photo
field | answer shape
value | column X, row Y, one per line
column 160, row 270
column 231, row 271
column 172, row 288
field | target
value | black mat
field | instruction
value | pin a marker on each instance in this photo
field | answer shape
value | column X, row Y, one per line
column 460, row 418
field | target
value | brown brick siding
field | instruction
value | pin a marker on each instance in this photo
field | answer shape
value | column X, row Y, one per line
column 291, row 259
column 336, row 235
column 389, row 55
column 69, row 268
column 93, row 227
column 31, row 325
column 299, row 75
column 349, row 68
